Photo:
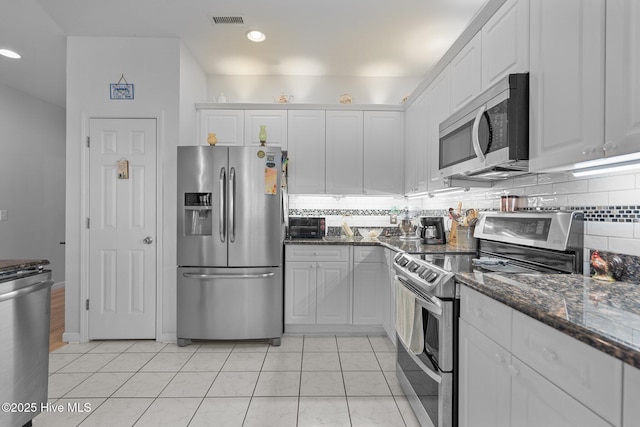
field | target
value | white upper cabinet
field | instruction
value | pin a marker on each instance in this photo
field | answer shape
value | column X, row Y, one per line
column 566, row 82
column 383, row 152
column 276, row 126
column 228, row 125
column 411, row 141
column 622, row 122
column 466, row 81
column 344, row 142
column 438, row 109
column 306, row 132
column 505, row 42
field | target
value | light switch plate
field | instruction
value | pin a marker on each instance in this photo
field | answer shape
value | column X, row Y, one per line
column 3, row 215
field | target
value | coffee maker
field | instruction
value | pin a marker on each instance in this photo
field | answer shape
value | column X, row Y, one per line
column 432, row 230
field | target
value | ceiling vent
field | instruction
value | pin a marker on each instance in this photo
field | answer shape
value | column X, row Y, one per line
column 227, row 20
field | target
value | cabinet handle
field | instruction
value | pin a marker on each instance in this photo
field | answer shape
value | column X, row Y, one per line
column 513, row 371
column 315, row 254
column 549, row 356
column 478, row 312
column 500, row 359
column 588, row 150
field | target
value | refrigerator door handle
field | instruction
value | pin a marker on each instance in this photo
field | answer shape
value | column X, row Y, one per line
column 223, row 201
column 232, row 207
column 227, row 276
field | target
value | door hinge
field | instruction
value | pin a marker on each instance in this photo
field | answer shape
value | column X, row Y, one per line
column 86, row 304
column 88, row 223
column 88, row 141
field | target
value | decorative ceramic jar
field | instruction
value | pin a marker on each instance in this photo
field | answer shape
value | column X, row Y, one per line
column 212, row 139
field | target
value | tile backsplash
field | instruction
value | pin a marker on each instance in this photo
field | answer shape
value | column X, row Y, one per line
column 611, row 204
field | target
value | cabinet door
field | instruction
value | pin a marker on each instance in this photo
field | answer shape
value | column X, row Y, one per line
column 411, row 141
column 306, row 136
column 344, row 160
column 275, row 122
column 623, row 77
column 333, row 293
column 228, row 125
column 383, row 152
column 300, row 292
column 566, row 82
column 631, row 409
column 466, row 81
column 484, row 384
column 438, row 109
column 366, row 293
column 505, row 42
column 536, row 402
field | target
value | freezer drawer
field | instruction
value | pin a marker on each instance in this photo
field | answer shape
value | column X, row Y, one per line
column 230, row 303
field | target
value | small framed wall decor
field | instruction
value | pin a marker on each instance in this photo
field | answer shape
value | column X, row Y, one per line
column 121, row 90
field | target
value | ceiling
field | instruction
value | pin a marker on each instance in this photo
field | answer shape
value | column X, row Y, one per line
column 376, row 38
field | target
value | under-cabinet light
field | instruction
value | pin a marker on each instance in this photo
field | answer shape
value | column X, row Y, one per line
column 10, row 54
column 599, row 170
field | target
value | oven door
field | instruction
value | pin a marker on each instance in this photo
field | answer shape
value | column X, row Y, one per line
column 427, row 378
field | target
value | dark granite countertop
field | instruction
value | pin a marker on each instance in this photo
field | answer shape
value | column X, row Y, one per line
column 414, row 246
column 603, row 315
column 12, row 264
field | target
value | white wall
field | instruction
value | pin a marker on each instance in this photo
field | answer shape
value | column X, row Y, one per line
column 32, row 179
column 159, row 69
column 311, row 89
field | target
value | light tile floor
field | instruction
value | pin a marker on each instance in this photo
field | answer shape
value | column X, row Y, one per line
column 307, row 381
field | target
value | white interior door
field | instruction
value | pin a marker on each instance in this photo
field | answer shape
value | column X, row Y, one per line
column 122, row 229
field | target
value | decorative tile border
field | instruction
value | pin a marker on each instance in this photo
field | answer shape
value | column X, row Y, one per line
column 618, row 213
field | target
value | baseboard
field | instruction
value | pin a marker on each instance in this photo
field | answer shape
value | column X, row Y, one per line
column 335, row 329
column 168, row 338
column 71, row 337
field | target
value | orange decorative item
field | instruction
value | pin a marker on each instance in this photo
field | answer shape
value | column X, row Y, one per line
column 212, row 139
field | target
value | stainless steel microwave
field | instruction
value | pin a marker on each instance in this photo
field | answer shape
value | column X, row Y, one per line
column 488, row 139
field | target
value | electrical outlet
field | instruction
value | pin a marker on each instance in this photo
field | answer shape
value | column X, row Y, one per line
column 3, row 215
column 393, row 219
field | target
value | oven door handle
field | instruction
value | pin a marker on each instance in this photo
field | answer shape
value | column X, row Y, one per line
column 427, row 370
column 430, row 306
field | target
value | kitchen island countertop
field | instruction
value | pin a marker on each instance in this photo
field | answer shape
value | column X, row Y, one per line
column 603, row 315
column 414, row 246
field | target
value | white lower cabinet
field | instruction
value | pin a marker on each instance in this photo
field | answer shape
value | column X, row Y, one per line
column 339, row 289
column 631, row 391
column 484, row 383
column 317, row 285
column 509, row 385
column 367, row 286
column 537, row 402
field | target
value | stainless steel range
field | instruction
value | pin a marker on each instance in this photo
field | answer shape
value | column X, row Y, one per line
column 427, row 334
column 428, row 302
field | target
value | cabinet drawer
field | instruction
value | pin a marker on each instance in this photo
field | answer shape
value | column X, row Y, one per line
column 316, row 253
column 368, row 254
column 589, row 375
column 487, row 315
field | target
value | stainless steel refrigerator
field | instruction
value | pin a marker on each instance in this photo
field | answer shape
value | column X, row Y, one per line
column 230, row 233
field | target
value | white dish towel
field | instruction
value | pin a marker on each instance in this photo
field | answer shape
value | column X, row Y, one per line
column 408, row 319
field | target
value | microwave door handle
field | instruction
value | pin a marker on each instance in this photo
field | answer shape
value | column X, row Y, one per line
column 475, row 139
column 222, row 205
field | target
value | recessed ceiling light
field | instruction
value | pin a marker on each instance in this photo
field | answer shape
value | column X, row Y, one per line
column 256, row 36
column 9, row 54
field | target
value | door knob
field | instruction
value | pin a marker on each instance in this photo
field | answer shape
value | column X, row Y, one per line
column 148, row 240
